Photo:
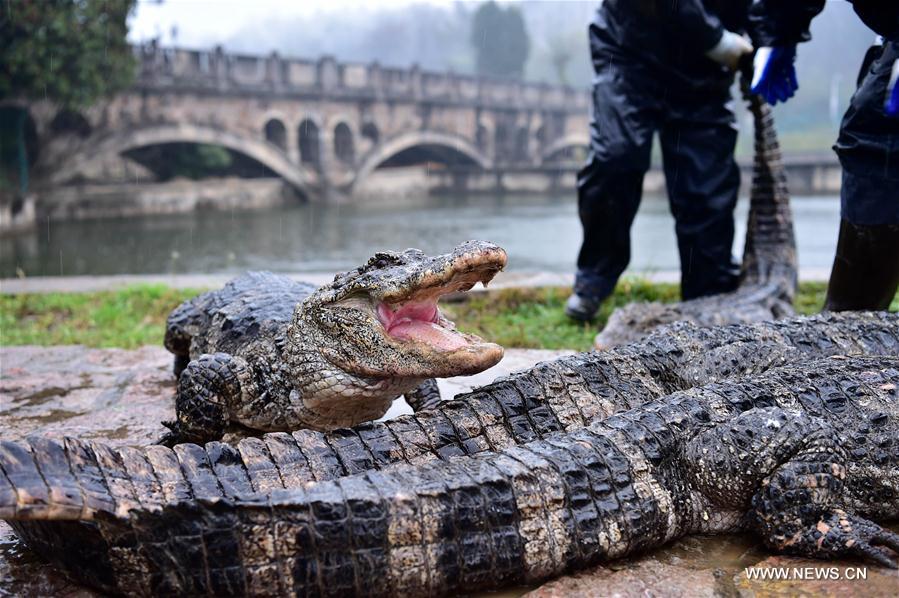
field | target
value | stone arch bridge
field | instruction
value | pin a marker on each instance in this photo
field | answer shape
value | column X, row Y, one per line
column 322, row 126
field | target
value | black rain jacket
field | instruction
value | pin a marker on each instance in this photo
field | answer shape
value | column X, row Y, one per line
column 783, row 22
column 667, row 41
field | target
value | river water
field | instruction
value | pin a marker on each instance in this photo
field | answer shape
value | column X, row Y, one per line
column 539, row 233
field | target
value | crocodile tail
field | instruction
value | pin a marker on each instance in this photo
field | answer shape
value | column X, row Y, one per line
column 518, row 516
column 69, row 479
column 39, row 481
column 769, row 255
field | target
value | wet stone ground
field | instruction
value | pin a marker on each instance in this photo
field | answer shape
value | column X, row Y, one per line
column 121, row 396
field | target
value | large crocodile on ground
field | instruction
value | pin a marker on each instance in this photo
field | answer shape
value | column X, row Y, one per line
column 565, row 394
column 769, row 278
column 806, row 456
column 274, row 354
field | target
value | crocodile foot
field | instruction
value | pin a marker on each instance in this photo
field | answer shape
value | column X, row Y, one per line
column 176, row 435
column 839, row 534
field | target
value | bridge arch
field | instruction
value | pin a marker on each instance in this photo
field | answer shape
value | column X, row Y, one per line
column 344, row 143
column 482, row 137
column 252, row 147
column 276, row 133
column 522, row 149
column 370, row 131
column 568, row 142
column 391, row 147
column 309, row 142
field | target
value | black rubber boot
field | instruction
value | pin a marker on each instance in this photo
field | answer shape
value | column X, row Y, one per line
column 865, row 272
column 582, row 309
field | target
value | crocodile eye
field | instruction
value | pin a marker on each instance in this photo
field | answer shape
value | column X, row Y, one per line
column 383, row 260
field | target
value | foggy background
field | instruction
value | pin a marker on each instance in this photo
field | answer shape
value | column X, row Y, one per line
column 436, row 35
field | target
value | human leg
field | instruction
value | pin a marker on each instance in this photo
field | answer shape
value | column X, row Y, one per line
column 610, row 186
column 703, row 180
column 865, row 273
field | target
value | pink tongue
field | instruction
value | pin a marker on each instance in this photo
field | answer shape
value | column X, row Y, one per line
column 429, row 333
column 414, row 311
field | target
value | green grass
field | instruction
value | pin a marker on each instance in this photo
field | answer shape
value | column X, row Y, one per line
column 534, row 317
column 136, row 315
column 125, row 318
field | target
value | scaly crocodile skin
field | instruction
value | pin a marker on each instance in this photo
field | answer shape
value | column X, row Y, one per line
column 565, row 394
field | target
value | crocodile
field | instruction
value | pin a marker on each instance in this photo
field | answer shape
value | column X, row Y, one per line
column 564, row 395
column 270, row 353
column 804, row 455
column 769, row 275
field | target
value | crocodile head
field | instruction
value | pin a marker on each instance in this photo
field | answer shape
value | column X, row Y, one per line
column 382, row 320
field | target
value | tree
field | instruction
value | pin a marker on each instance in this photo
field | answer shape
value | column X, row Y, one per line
column 560, row 55
column 500, row 40
column 70, row 52
column 190, row 160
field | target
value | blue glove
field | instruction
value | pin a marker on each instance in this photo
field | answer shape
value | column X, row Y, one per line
column 891, row 104
column 773, row 73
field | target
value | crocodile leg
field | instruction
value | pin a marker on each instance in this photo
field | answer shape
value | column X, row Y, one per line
column 426, row 396
column 832, row 533
column 205, row 389
column 180, row 364
column 800, row 508
column 181, row 327
column 790, row 469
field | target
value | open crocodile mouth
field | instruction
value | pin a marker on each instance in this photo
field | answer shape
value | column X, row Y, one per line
column 420, row 321
column 414, row 317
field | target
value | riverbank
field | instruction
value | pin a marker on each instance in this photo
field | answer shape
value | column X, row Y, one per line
column 807, row 175
column 529, row 317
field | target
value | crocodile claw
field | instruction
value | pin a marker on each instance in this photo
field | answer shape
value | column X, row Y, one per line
column 173, row 436
column 847, row 535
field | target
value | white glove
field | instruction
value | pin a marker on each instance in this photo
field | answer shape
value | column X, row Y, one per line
column 729, row 49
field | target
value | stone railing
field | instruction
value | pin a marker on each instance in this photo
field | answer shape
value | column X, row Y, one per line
column 220, row 72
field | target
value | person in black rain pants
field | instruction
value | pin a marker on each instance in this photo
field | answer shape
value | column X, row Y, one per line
column 865, row 272
column 665, row 67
